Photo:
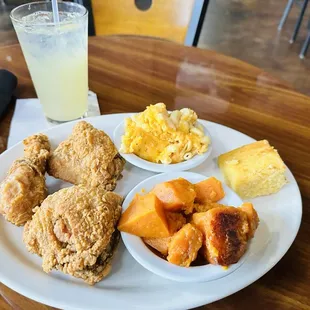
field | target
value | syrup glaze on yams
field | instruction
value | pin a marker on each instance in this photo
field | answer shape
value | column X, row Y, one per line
column 185, row 223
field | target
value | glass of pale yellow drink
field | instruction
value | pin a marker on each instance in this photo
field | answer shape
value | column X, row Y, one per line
column 56, row 56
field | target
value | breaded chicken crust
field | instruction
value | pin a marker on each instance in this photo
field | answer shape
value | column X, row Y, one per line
column 74, row 231
column 24, row 187
column 87, row 157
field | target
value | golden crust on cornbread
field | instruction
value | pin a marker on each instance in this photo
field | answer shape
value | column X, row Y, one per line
column 253, row 170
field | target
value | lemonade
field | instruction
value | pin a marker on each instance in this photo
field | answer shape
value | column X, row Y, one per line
column 56, row 56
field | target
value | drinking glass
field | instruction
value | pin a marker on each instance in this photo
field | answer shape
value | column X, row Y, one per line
column 56, row 56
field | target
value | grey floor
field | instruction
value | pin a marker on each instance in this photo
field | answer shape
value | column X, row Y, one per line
column 247, row 30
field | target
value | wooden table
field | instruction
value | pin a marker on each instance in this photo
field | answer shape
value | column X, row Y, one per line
column 129, row 73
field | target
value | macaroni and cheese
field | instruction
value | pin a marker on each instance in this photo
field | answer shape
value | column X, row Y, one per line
column 160, row 137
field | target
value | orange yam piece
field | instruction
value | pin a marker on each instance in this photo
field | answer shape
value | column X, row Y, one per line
column 225, row 233
column 159, row 244
column 145, row 217
column 189, row 217
column 184, row 246
column 252, row 216
column 175, row 221
column 176, row 195
column 203, row 207
column 209, row 190
column 199, row 220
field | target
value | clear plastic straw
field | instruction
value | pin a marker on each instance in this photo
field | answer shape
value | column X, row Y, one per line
column 55, row 11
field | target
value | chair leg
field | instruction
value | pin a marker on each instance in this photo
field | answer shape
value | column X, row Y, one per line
column 285, row 13
column 305, row 47
column 298, row 23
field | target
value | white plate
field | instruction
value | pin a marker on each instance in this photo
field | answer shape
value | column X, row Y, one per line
column 130, row 286
column 161, row 267
column 147, row 165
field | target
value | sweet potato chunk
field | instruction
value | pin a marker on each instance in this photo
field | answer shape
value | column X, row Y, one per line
column 209, row 190
column 252, row 216
column 176, row 195
column 159, row 244
column 204, row 207
column 225, row 233
column 145, row 217
column 175, row 221
column 184, row 246
column 198, row 219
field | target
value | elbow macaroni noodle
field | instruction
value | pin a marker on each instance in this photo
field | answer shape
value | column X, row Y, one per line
column 160, row 137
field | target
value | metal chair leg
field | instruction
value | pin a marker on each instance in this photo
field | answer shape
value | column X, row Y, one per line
column 285, row 13
column 298, row 23
column 305, row 47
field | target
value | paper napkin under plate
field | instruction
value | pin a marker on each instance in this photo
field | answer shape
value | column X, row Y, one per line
column 28, row 118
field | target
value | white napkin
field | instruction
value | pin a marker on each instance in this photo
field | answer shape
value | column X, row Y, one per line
column 28, row 118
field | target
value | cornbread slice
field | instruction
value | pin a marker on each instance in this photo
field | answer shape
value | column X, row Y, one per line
column 253, row 170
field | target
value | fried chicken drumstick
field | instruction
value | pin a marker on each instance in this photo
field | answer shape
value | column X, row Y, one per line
column 24, row 187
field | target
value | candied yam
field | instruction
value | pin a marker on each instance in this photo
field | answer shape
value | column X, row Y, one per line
column 184, row 246
column 252, row 216
column 175, row 221
column 209, row 190
column 202, row 221
column 199, row 219
column 159, row 244
column 176, row 195
column 208, row 205
column 145, row 217
column 188, row 217
column 225, row 232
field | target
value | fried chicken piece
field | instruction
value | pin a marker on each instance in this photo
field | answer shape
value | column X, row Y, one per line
column 226, row 231
column 87, row 157
column 24, row 187
column 74, row 231
column 184, row 246
column 37, row 149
